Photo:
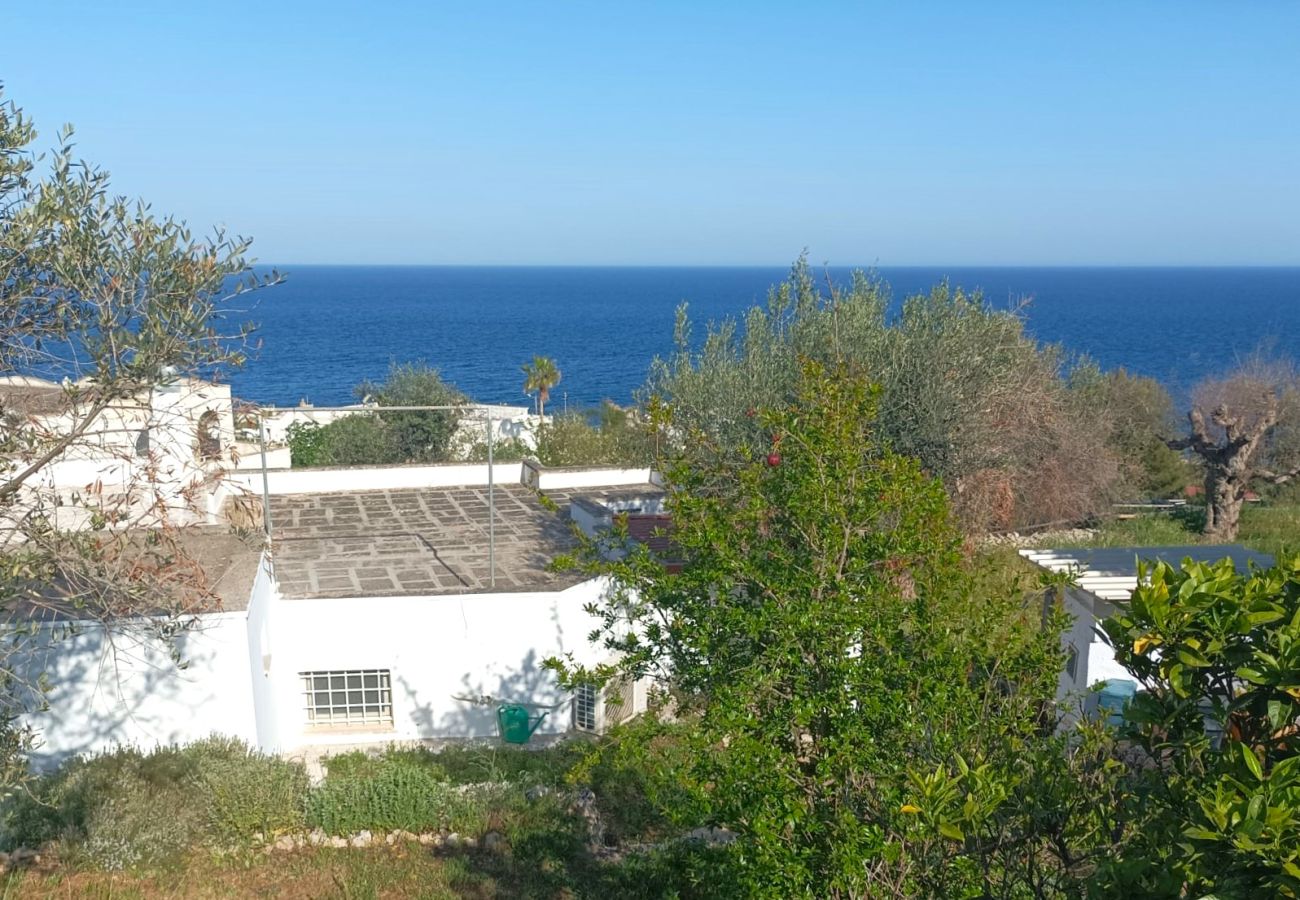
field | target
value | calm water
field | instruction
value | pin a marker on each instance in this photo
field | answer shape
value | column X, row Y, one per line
column 329, row 327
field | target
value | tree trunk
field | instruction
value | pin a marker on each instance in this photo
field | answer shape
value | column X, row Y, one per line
column 1224, row 495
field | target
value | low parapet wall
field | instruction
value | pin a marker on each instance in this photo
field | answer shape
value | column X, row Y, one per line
column 376, row 478
column 541, row 478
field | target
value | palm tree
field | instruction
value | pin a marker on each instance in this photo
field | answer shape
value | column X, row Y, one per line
column 541, row 375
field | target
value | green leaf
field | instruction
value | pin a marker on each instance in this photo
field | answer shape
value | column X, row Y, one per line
column 951, row 831
column 1277, row 713
column 1192, row 658
column 1252, row 761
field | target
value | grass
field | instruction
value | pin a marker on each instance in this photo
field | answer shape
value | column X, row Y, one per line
column 470, row 790
column 544, row 866
column 475, row 763
column 1266, row 527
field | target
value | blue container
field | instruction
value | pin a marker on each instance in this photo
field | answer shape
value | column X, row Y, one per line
column 1113, row 697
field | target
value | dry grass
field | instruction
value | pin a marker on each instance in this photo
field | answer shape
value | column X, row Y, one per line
column 310, row 873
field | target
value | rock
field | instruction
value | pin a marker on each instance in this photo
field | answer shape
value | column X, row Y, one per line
column 284, row 843
column 710, row 836
column 493, row 841
column 391, row 838
column 471, row 843
column 406, row 836
column 453, row 841
column 533, row 794
column 361, row 839
column 338, row 842
column 317, row 838
column 584, row 805
column 24, row 856
column 427, row 840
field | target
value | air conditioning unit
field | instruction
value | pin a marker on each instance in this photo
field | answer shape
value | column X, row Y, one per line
column 598, row 709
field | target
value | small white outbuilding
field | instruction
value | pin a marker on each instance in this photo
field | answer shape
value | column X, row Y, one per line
column 395, row 604
column 1106, row 576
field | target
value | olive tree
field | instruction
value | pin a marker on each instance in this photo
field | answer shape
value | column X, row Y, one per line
column 963, row 389
column 1245, row 439
column 110, row 300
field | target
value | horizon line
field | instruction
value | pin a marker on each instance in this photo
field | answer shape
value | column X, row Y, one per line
column 787, row 265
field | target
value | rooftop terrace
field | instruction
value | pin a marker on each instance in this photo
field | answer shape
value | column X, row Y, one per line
column 417, row 541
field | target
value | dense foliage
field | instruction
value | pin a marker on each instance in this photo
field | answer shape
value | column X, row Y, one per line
column 128, row 808
column 386, row 438
column 618, row 437
column 820, row 639
column 1001, row 419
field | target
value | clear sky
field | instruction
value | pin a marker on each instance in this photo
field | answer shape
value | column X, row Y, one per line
column 688, row 132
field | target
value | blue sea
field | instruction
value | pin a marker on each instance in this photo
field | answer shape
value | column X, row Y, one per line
column 326, row 328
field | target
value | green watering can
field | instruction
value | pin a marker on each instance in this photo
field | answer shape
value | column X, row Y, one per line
column 515, row 724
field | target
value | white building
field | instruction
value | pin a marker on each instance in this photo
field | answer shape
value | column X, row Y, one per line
column 390, row 607
column 164, row 450
column 1106, row 576
column 508, row 423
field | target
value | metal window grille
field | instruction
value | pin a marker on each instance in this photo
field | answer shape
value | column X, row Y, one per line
column 585, row 698
column 348, row 697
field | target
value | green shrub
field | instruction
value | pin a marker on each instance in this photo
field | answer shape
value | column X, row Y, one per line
column 381, row 796
column 308, row 444
column 469, row 764
column 503, row 450
column 133, row 822
column 126, row 808
column 618, row 438
column 248, row 793
column 491, row 763
column 416, row 435
column 358, row 440
column 118, row 809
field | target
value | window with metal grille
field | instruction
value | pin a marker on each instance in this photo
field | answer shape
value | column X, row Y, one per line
column 585, row 698
column 351, row 697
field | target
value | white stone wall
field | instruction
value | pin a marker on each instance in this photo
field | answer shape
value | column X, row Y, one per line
column 260, row 624
column 310, row 481
column 126, row 689
column 136, row 453
column 508, row 423
column 1096, row 660
column 436, row 648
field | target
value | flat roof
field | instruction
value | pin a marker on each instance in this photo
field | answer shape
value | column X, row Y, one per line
column 418, row 541
column 1111, row 572
column 223, row 565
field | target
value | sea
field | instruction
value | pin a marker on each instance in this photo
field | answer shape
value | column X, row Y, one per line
column 327, row 328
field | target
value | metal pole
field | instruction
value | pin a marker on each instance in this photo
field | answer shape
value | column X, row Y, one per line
column 266, row 488
column 492, row 509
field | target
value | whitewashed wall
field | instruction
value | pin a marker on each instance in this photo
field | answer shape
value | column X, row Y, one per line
column 309, row 481
column 260, row 657
column 563, row 479
column 435, row 647
column 1096, row 660
column 126, row 689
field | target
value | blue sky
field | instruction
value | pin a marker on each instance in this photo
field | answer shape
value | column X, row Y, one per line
column 689, row 133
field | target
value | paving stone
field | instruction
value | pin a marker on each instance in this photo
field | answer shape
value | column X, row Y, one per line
column 417, row 541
